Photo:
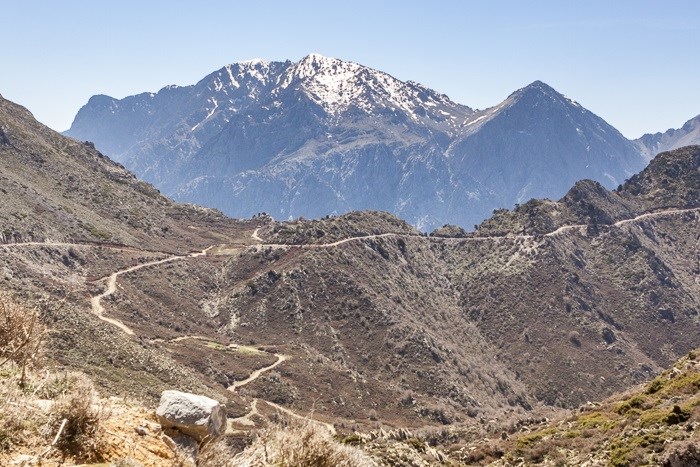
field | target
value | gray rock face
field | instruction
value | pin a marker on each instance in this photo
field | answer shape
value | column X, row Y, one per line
column 323, row 136
column 687, row 135
column 538, row 143
column 197, row 416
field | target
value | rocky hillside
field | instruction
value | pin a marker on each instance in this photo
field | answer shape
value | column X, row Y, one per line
column 688, row 134
column 55, row 189
column 359, row 318
column 671, row 181
column 654, row 424
column 442, row 329
column 323, row 136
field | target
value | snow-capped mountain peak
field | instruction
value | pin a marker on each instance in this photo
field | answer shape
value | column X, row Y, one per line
column 324, row 135
column 338, row 86
column 257, row 70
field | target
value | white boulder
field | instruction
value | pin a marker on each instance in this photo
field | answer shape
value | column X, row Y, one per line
column 197, row 416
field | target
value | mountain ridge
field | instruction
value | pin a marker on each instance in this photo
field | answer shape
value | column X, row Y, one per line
column 326, row 136
column 687, row 135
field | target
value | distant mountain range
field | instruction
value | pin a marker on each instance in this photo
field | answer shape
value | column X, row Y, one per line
column 687, row 135
column 324, row 136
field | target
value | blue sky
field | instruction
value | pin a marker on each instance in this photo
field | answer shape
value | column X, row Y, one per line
column 634, row 63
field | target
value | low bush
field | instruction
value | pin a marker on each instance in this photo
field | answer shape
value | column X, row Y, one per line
column 21, row 335
column 76, row 416
column 297, row 444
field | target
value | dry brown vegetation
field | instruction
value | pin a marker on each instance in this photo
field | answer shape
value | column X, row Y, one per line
column 78, row 415
column 21, row 335
column 59, row 419
column 656, row 424
column 36, row 408
column 293, row 444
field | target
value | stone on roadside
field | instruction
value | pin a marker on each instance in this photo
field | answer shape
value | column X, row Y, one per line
column 197, row 416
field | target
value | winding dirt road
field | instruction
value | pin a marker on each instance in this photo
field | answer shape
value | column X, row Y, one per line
column 247, row 419
column 111, row 287
column 560, row 230
column 257, row 373
column 97, row 308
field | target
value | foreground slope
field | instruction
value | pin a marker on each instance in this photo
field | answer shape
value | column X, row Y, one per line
column 325, row 136
column 654, row 424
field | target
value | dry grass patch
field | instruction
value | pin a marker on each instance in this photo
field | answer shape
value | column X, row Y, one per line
column 78, row 416
column 295, row 444
column 21, row 335
column 67, row 423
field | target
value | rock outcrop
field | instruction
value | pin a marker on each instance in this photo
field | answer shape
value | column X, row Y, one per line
column 197, row 416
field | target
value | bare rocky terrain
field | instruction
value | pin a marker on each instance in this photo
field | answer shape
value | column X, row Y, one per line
column 674, row 138
column 368, row 322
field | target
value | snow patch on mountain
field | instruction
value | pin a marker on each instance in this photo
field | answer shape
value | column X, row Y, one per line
column 338, row 85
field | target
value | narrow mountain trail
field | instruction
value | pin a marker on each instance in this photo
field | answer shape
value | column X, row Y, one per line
column 655, row 214
column 647, row 215
column 560, row 230
column 245, row 420
column 99, row 310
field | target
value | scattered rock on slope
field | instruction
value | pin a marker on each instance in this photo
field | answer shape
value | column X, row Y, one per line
column 197, row 416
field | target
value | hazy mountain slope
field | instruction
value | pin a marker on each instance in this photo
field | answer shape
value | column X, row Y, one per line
column 151, row 133
column 688, row 134
column 334, row 136
column 538, row 143
column 324, row 136
column 670, row 181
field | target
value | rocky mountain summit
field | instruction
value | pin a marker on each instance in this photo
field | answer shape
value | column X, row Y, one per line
column 325, row 136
